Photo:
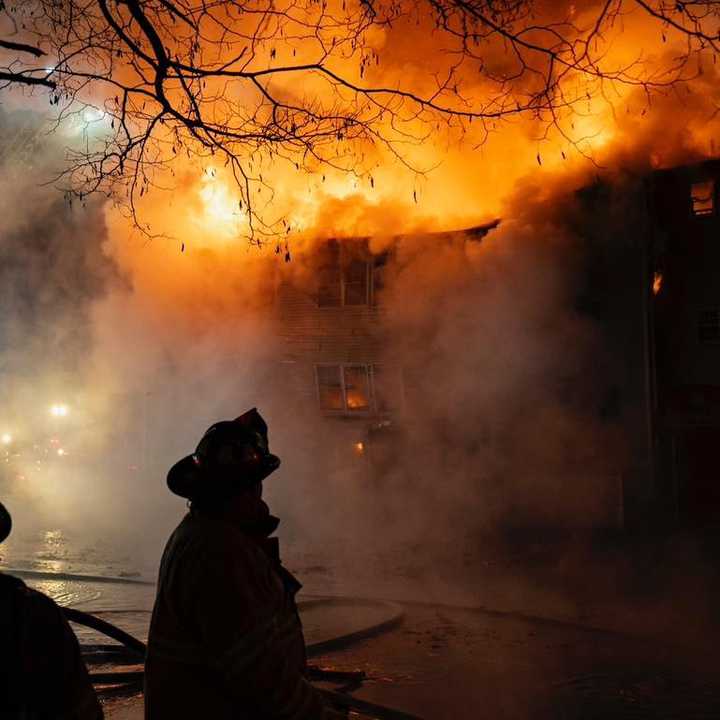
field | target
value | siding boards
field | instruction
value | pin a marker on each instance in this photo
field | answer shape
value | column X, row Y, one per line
column 312, row 334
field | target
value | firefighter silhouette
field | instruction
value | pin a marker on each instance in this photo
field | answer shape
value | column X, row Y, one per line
column 42, row 674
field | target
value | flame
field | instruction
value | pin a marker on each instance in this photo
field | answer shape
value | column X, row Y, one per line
column 356, row 400
column 657, row 282
column 222, row 211
column 454, row 185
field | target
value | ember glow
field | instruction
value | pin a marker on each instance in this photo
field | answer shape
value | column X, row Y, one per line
column 657, row 282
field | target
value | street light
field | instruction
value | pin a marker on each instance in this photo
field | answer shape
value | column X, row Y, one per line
column 6, row 438
column 59, row 410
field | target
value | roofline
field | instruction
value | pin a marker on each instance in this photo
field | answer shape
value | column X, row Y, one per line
column 475, row 233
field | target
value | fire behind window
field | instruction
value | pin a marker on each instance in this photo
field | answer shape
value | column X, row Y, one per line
column 702, row 195
column 358, row 389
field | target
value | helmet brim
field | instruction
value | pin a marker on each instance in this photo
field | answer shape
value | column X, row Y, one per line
column 187, row 478
column 184, row 477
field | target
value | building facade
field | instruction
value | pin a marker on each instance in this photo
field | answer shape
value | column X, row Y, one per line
column 684, row 232
column 653, row 287
column 335, row 359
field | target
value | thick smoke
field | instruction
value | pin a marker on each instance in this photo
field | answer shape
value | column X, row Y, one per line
column 52, row 270
column 507, row 419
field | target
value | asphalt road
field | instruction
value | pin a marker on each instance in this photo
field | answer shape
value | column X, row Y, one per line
column 454, row 663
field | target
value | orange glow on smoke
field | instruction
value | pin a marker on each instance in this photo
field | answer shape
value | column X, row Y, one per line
column 201, row 256
column 222, row 211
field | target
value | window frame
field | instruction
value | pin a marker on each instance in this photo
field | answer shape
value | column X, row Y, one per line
column 708, row 326
column 331, row 267
column 713, row 197
column 344, row 266
column 343, row 259
column 330, row 411
column 372, row 408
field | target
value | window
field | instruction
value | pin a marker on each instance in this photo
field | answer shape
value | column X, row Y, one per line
column 709, row 326
column 702, row 195
column 358, row 389
column 330, row 277
column 355, row 281
column 349, row 276
column 330, row 387
column 379, row 273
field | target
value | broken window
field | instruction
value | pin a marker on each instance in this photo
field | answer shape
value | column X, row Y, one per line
column 709, row 326
column 702, row 195
column 330, row 388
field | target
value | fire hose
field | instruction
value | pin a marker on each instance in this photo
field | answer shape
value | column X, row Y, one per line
column 133, row 651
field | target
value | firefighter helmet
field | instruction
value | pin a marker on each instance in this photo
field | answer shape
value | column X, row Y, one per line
column 232, row 455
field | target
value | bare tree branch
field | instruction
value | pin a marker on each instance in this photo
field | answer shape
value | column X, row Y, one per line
column 247, row 82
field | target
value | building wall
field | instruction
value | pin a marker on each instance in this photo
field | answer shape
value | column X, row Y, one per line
column 313, row 335
column 686, row 320
column 310, row 336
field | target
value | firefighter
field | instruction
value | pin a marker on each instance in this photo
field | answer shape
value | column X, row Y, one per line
column 225, row 637
column 42, row 675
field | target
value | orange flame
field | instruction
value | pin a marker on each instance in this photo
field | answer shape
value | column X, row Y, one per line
column 657, row 282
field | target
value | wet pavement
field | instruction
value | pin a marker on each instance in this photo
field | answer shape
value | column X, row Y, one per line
column 456, row 663
column 555, row 632
column 449, row 662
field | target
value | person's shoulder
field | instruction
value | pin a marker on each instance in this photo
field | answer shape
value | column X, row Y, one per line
column 42, row 604
column 12, row 592
column 29, row 596
column 211, row 538
column 39, row 608
column 10, row 583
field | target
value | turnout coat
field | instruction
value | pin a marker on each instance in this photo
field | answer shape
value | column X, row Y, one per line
column 42, row 674
column 225, row 637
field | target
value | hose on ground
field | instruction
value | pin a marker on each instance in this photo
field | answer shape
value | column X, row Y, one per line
column 128, row 682
column 82, row 618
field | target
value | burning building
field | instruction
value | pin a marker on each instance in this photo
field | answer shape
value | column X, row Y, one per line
column 650, row 284
column 494, row 381
column 684, row 358
column 647, row 282
column 336, row 355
